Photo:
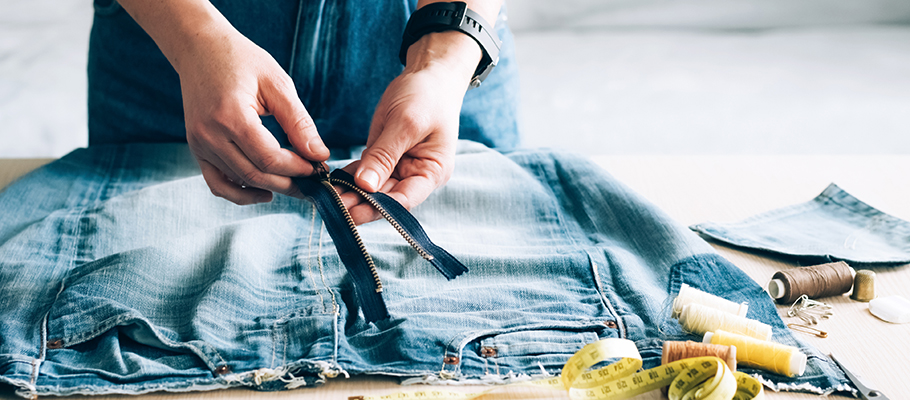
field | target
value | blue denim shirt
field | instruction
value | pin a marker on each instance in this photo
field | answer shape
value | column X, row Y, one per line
column 121, row 273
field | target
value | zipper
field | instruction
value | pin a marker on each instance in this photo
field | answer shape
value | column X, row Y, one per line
column 407, row 226
column 385, row 214
column 351, row 249
column 326, row 181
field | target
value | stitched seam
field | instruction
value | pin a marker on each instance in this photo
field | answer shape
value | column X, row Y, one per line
column 285, row 334
column 310, row 261
column 606, row 302
column 294, row 43
column 322, row 272
column 274, row 342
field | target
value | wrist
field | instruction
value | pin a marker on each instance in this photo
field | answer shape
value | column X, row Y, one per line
column 451, row 50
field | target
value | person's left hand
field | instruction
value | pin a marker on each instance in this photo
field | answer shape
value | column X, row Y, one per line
column 411, row 145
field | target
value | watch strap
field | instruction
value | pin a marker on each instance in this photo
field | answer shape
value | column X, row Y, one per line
column 440, row 17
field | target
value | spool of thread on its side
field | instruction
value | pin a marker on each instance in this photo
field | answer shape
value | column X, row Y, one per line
column 817, row 281
column 690, row 295
column 674, row 351
column 699, row 319
column 769, row 356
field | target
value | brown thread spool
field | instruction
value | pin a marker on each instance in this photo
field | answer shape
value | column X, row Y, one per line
column 675, row 351
column 817, row 281
column 863, row 286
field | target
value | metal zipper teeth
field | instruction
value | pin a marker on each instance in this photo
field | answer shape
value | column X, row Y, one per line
column 353, row 226
column 385, row 214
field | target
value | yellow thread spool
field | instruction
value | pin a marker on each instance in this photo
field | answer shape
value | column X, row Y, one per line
column 690, row 295
column 699, row 319
column 769, row 356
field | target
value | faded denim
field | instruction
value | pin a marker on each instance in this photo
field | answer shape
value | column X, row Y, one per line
column 834, row 226
column 341, row 56
column 121, row 273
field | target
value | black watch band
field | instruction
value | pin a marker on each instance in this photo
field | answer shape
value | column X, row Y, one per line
column 439, row 17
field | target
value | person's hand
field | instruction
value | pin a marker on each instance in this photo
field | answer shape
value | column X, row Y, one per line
column 411, row 146
column 227, row 82
column 226, row 86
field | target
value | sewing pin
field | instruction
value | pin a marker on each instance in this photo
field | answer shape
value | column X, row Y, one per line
column 808, row 329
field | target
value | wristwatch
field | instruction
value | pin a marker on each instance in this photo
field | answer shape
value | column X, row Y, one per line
column 440, row 17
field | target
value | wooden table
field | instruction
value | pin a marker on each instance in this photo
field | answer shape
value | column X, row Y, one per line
column 695, row 189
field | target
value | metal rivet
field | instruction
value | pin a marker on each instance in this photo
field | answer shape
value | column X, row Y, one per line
column 488, row 352
column 610, row 324
column 224, row 369
column 55, row 344
column 450, row 360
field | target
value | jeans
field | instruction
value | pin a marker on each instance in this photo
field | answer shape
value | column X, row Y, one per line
column 341, row 56
column 833, row 226
column 121, row 273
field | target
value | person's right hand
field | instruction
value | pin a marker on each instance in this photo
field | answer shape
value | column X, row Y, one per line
column 227, row 84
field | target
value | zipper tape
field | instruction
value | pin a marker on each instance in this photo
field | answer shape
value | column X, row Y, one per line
column 338, row 222
column 446, row 263
column 348, row 245
column 705, row 378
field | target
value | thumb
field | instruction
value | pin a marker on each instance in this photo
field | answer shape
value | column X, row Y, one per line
column 379, row 159
column 280, row 98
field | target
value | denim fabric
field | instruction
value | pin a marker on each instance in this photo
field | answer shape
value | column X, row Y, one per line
column 340, row 54
column 121, row 273
column 833, row 226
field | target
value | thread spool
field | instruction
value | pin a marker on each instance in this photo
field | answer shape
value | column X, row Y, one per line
column 769, row 356
column 817, row 281
column 674, row 351
column 699, row 319
column 690, row 295
column 863, row 286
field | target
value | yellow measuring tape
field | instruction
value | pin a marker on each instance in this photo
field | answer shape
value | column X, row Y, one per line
column 703, row 378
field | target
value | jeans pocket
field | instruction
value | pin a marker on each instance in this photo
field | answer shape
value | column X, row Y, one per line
column 531, row 349
column 133, row 316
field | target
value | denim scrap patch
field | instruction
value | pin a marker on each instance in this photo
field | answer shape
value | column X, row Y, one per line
column 834, row 226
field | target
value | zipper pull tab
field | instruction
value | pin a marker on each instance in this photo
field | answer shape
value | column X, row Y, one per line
column 321, row 169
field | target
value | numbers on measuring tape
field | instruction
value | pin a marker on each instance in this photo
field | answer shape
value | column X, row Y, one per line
column 619, row 380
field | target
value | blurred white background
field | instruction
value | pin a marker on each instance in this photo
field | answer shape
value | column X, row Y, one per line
column 598, row 76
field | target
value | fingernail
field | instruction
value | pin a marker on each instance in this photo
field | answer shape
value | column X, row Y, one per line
column 315, row 146
column 371, row 177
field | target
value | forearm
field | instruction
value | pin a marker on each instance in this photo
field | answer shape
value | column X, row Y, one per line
column 178, row 27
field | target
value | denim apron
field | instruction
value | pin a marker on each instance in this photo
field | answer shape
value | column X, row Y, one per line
column 121, row 273
column 341, row 56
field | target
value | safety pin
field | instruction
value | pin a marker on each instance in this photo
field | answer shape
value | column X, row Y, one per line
column 808, row 329
column 810, row 311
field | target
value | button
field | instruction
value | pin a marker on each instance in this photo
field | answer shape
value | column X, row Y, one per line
column 224, row 369
column 451, row 360
column 610, row 324
column 488, row 352
column 55, row 344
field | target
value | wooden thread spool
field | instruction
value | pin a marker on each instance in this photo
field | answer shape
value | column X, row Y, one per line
column 817, row 281
column 769, row 356
column 699, row 319
column 690, row 295
column 675, row 351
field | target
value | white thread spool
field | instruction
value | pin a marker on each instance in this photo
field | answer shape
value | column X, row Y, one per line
column 690, row 295
column 700, row 319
